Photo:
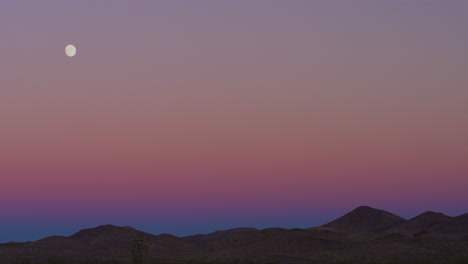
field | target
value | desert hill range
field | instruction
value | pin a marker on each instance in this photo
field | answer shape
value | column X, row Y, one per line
column 362, row 235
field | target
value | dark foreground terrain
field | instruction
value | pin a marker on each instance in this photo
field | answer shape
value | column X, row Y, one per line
column 365, row 235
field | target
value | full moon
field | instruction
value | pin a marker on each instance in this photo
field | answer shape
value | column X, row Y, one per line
column 70, row 50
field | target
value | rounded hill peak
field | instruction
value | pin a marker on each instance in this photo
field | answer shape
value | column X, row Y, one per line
column 431, row 215
column 366, row 218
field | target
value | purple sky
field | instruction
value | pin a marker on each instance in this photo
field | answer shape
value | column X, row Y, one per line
column 186, row 117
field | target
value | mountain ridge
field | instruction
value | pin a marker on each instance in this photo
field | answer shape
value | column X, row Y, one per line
column 363, row 231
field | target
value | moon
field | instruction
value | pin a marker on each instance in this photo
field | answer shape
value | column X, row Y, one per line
column 70, row 50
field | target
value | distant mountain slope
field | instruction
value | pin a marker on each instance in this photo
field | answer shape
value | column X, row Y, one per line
column 356, row 236
column 365, row 218
column 290, row 244
column 108, row 236
column 463, row 217
column 115, row 237
column 105, row 230
column 218, row 235
column 60, row 243
column 435, row 225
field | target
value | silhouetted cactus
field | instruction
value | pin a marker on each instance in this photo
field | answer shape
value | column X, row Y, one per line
column 139, row 248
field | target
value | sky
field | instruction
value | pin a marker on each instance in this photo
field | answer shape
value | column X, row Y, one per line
column 186, row 117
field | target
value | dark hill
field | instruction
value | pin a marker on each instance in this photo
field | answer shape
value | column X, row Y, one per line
column 463, row 217
column 355, row 238
column 218, row 235
column 273, row 244
column 108, row 236
column 104, row 230
column 420, row 224
column 433, row 225
column 167, row 241
column 365, row 218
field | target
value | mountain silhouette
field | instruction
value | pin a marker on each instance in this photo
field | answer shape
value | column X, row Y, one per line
column 108, row 236
column 218, row 235
column 463, row 217
column 435, row 225
column 359, row 235
column 365, row 218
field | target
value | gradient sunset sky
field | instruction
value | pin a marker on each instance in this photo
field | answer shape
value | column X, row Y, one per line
column 189, row 116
